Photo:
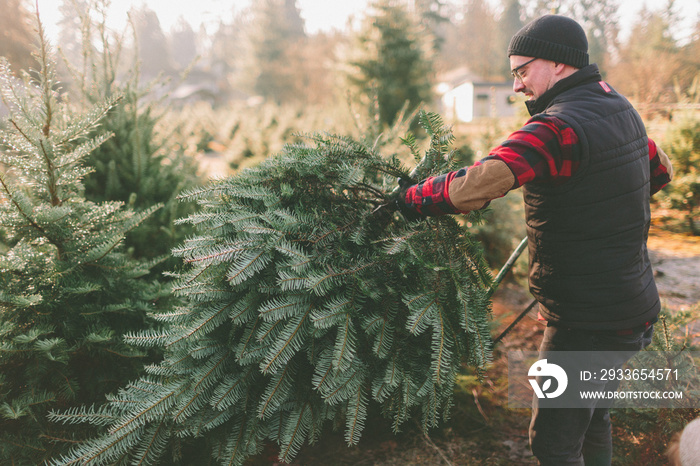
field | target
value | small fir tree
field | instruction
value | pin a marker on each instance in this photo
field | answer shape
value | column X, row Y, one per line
column 683, row 140
column 303, row 306
column 140, row 164
column 67, row 290
column 271, row 66
column 391, row 61
column 139, row 167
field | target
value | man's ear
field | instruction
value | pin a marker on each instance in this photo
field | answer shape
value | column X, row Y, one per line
column 563, row 70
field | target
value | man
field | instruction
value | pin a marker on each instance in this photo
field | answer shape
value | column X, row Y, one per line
column 587, row 170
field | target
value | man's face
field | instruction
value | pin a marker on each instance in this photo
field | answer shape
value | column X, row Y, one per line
column 532, row 79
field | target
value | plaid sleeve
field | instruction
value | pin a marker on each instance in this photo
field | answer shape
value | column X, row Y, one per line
column 431, row 197
column 660, row 175
column 546, row 149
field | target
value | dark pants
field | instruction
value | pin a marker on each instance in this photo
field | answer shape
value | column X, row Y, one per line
column 578, row 436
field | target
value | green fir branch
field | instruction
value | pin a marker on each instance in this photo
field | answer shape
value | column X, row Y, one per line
column 288, row 344
column 278, row 391
column 152, row 444
column 356, row 416
column 295, row 431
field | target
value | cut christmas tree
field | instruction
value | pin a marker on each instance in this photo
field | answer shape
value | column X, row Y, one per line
column 304, row 304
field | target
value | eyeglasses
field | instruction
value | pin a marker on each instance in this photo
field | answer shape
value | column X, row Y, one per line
column 516, row 71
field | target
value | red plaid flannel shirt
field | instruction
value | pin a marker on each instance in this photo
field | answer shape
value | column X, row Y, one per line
column 545, row 150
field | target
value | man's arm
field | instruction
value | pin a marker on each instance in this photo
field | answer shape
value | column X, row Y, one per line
column 660, row 168
column 544, row 150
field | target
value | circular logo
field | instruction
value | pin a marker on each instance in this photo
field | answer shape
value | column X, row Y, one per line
column 545, row 373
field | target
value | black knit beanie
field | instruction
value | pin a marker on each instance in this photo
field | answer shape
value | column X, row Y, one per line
column 552, row 37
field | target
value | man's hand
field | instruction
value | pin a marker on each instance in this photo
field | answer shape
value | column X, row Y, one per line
column 397, row 201
column 383, row 212
column 408, row 213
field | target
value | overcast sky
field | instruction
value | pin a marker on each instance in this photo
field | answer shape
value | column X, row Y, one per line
column 317, row 14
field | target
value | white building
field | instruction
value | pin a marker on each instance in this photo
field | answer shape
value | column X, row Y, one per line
column 464, row 97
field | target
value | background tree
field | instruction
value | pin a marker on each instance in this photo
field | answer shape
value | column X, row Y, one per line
column 139, row 165
column 183, row 44
column 690, row 59
column 68, row 292
column 391, row 61
column 70, row 31
column 646, row 68
column 479, row 33
column 433, row 16
column 225, row 56
column 509, row 23
column 274, row 39
column 683, row 140
column 600, row 20
column 16, row 35
column 320, row 79
column 151, row 44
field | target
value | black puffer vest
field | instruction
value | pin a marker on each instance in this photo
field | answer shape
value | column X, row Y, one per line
column 589, row 266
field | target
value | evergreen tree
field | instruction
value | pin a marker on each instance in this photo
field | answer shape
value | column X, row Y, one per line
column 683, row 140
column 480, row 35
column 508, row 24
column 140, row 165
column 433, row 15
column 304, row 305
column 391, row 62
column 183, row 43
column 151, row 45
column 67, row 290
column 273, row 38
column 634, row 75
